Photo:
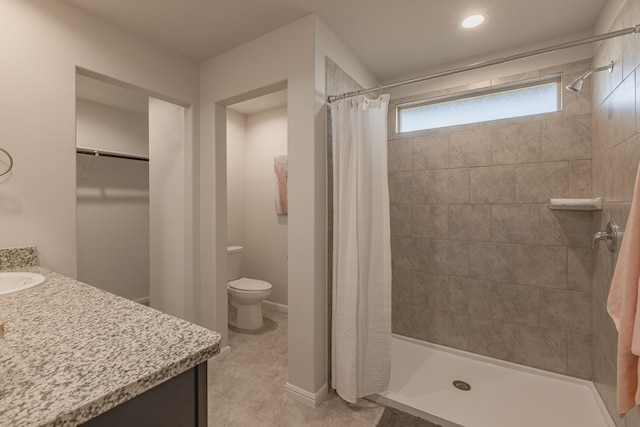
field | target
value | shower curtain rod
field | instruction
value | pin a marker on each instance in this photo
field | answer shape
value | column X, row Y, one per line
column 107, row 153
column 593, row 39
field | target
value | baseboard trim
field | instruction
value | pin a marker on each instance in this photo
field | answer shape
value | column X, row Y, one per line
column 276, row 306
column 224, row 352
column 308, row 398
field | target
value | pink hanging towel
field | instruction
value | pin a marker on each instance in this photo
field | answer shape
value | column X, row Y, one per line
column 623, row 308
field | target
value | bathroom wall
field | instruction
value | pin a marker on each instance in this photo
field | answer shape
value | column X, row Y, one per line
column 616, row 154
column 113, row 201
column 479, row 260
column 253, row 141
column 43, row 43
column 292, row 57
column 265, row 255
column 111, row 128
column 236, row 141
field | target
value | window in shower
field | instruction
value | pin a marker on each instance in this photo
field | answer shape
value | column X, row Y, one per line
column 524, row 99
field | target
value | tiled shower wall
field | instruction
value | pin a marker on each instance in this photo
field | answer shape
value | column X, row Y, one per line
column 480, row 262
column 616, row 153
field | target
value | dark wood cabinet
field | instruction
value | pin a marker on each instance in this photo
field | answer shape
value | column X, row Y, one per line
column 180, row 401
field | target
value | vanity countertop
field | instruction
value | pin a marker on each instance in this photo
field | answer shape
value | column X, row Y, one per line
column 71, row 351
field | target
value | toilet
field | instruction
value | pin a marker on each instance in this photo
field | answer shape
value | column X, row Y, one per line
column 245, row 295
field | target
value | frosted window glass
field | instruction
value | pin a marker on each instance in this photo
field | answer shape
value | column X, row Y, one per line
column 493, row 106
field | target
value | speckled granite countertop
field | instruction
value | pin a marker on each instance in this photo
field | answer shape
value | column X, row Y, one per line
column 71, row 351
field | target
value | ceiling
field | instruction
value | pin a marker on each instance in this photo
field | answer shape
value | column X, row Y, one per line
column 391, row 38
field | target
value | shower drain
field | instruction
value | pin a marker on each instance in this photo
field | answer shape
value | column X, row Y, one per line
column 461, row 385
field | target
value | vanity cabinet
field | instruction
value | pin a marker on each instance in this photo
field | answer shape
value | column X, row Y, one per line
column 178, row 402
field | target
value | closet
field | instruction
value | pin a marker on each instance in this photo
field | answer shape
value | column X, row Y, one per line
column 112, row 188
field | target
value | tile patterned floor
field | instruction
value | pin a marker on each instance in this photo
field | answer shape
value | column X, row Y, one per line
column 246, row 388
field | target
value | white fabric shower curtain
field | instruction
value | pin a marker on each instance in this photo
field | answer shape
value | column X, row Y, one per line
column 361, row 347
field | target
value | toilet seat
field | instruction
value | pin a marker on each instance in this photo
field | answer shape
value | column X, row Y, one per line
column 245, row 284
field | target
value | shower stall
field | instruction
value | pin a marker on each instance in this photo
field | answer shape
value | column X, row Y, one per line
column 492, row 290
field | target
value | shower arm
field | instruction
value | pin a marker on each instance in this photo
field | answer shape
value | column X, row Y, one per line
column 631, row 30
column 595, row 70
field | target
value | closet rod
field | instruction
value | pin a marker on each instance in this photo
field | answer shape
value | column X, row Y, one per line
column 107, row 153
column 593, row 39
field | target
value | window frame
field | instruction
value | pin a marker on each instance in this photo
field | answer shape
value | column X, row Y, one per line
column 492, row 90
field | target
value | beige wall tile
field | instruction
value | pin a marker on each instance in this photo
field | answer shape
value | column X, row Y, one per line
column 604, row 82
column 565, row 227
column 409, row 254
column 469, row 222
column 448, row 328
column 541, row 349
column 494, row 184
column 492, row 338
column 597, row 174
column 605, row 334
column 579, row 356
column 576, row 103
column 411, row 321
column 579, row 269
column 450, row 186
column 448, row 257
column 392, row 189
column 402, row 286
column 568, row 138
column 470, row 148
column 431, row 152
column 541, row 266
column 399, row 155
column 617, row 115
column 604, row 378
column 518, row 143
column 515, row 223
column 515, row 303
column 566, row 311
column 602, row 274
column 470, row 296
column 412, row 187
column 491, row 261
column 580, row 179
column 537, row 183
column 400, row 219
column 629, row 14
column 630, row 167
column 431, row 221
column 431, row 291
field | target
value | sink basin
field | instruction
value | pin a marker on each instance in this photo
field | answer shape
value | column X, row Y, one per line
column 17, row 281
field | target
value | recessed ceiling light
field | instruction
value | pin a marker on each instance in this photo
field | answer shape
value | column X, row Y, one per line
column 472, row 21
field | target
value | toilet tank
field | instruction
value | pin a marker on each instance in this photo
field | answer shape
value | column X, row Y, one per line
column 234, row 262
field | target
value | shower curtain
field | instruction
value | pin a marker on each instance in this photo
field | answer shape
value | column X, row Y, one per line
column 361, row 328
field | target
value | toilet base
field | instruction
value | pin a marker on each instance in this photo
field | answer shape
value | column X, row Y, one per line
column 248, row 317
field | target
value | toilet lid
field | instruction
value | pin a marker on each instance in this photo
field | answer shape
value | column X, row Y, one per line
column 245, row 284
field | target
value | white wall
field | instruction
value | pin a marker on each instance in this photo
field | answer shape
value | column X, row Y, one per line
column 166, row 214
column 113, row 225
column 265, row 254
column 236, row 141
column 113, row 201
column 293, row 54
column 42, row 43
column 110, row 128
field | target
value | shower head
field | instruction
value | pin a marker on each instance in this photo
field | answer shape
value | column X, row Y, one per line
column 576, row 85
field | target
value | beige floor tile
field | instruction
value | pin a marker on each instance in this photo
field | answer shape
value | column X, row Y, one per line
column 246, row 388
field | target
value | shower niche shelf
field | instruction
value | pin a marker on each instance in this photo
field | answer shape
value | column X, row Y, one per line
column 593, row 204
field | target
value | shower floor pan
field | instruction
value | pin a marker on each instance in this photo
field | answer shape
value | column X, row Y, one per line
column 502, row 394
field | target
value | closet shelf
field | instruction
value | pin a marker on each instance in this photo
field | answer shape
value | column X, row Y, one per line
column 593, row 204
